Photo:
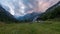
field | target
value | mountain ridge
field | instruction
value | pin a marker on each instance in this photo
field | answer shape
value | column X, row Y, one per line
column 5, row 15
column 51, row 13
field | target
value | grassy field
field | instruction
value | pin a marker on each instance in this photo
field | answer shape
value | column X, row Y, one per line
column 30, row 28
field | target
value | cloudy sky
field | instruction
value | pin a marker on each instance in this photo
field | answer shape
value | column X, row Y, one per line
column 23, row 7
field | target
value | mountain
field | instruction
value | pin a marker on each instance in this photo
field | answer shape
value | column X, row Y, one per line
column 28, row 17
column 51, row 13
column 6, row 16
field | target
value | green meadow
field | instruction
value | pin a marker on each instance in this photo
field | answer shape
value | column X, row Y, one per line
column 46, row 27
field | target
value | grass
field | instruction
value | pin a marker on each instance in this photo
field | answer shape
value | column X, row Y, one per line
column 27, row 28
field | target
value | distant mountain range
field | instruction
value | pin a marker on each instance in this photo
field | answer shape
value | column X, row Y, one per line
column 28, row 17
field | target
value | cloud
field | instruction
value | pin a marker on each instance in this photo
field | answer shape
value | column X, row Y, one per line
column 45, row 4
column 23, row 7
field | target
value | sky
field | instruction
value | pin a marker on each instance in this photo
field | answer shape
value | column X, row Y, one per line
column 22, row 7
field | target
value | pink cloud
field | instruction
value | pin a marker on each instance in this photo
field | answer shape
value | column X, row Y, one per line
column 43, row 5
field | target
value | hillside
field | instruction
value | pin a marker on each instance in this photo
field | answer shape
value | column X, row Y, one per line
column 51, row 13
column 5, row 16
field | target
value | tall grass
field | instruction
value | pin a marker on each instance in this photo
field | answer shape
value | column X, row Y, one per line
column 27, row 28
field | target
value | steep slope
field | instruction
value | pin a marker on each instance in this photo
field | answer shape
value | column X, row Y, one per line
column 6, row 16
column 52, row 12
